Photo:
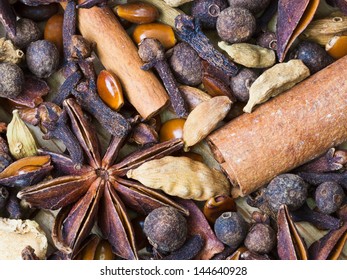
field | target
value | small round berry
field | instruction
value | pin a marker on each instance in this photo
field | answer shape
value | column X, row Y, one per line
column 166, row 229
column 231, row 228
column 261, row 239
column 11, row 80
column 329, row 196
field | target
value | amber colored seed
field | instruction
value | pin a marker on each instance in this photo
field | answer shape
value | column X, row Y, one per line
column 193, row 156
column 217, row 205
column 103, row 251
column 215, row 87
column 172, row 129
column 337, row 46
column 137, row 12
column 160, row 31
column 110, row 89
column 54, row 31
column 28, row 168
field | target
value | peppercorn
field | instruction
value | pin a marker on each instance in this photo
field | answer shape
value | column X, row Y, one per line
column 231, row 228
column 312, row 55
column 11, row 80
column 186, row 64
column 235, row 25
column 36, row 13
column 42, row 58
column 289, row 189
column 207, row 11
column 260, row 239
column 329, row 196
column 166, row 229
column 254, row 6
column 27, row 31
column 241, row 83
column 268, row 40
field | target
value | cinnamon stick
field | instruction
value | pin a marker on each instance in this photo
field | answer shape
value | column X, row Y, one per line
column 285, row 132
column 118, row 54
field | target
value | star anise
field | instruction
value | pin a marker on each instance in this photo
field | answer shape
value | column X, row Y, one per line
column 97, row 191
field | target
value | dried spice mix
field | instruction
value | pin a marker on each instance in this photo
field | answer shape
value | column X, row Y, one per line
column 173, row 130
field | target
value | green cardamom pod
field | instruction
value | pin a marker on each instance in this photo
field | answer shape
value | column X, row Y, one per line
column 20, row 140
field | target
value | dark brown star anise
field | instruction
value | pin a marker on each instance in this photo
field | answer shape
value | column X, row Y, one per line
column 97, row 191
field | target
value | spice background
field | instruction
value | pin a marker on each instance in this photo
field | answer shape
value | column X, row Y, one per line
column 153, row 56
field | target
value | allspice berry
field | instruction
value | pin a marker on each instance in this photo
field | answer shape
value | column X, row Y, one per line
column 231, row 228
column 186, row 64
column 241, row 83
column 27, row 31
column 42, row 58
column 11, row 80
column 329, row 196
column 254, row 6
column 235, row 25
column 207, row 11
column 312, row 55
column 289, row 189
column 166, row 229
column 261, row 239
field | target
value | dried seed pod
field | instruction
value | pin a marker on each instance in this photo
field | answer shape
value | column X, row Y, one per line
column 166, row 229
column 204, row 118
column 231, row 228
column 137, row 12
column 11, row 80
column 241, row 83
column 261, row 239
column 21, row 142
column 217, row 205
column 235, row 25
column 312, row 55
column 207, row 11
column 196, row 181
column 254, row 6
column 276, row 80
column 42, row 58
column 322, row 30
column 8, row 53
column 329, row 196
column 186, row 64
column 193, row 96
column 249, row 55
column 27, row 31
column 160, row 31
column 288, row 189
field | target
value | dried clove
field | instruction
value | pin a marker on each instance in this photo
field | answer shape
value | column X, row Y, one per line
column 69, row 27
column 333, row 160
column 316, row 179
column 188, row 30
column 319, row 220
column 87, row 4
column 66, row 88
column 152, row 53
column 28, row 253
column 189, row 249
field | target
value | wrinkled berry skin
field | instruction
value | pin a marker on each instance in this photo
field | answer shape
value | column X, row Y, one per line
column 27, row 31
column 42, row 58
column 241, row 83
column 313, row 56
column 261, row 239
column 235, row 25
column 166, row 229
column 289, row 189
column 231, row 228
column 329, row 196
column 254, row 6
column 11, row 80
column 207, row 11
